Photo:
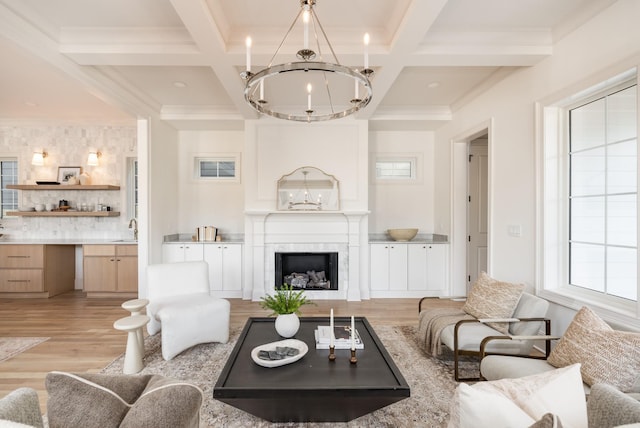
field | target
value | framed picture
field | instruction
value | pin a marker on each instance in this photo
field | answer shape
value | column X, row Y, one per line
column 69, row 173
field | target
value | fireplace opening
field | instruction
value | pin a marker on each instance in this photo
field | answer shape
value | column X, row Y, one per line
column 307, row 271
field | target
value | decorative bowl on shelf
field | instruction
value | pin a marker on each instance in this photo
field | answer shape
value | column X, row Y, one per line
column 402, row 234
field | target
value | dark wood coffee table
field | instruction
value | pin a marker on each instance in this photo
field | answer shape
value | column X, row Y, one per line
column 312, row 389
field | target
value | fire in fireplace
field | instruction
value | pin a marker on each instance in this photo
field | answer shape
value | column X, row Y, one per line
column 308, row 271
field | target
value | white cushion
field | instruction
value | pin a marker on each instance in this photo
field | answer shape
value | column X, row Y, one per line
column 495, row 367
column 486, row 409
column 471, row 334
column 559, row 392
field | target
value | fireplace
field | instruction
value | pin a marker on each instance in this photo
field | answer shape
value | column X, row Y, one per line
column 307, row 271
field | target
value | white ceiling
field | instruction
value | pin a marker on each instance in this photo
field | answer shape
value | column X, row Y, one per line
column 117, row 59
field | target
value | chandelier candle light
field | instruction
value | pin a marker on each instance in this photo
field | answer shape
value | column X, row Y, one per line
column 353, row 358
column 333, row 98
column 332, row 346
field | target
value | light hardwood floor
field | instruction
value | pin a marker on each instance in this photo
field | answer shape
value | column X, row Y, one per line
column 82, row 337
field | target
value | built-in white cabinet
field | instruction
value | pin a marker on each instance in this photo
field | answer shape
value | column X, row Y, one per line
column 182, row 252
column 388, row 266
column 408, row 269
column 224, row 260
column 225, row 266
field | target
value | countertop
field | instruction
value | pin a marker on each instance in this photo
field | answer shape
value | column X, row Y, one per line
column 419, row 239
column 74, row 241
column 185, row 238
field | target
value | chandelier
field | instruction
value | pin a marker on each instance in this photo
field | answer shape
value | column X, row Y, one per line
column 308, row 90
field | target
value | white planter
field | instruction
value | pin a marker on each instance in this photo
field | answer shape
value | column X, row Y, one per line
column 287, row 325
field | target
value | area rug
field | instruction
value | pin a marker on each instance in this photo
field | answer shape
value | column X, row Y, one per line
column 430, row 379
column 12, row 346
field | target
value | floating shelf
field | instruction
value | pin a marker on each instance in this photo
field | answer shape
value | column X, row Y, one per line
column 62, row 187
column 64, row 213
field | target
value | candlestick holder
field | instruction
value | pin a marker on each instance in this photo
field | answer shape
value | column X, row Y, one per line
column 332, row 355
column 353, row 358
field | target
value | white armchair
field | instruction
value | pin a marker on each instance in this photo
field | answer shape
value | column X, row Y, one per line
column 181, row 307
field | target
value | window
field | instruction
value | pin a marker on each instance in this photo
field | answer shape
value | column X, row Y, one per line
column 8, row 175
column 396, row 169
column 603, row 194
column 588, row 204
column 217, row 168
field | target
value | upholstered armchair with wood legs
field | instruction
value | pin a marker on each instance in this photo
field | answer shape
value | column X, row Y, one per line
column 478, row 336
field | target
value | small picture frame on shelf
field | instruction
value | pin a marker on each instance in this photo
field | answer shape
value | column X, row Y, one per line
column 69, row 174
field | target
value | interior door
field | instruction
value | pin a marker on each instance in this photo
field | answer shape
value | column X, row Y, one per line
column 477, row 224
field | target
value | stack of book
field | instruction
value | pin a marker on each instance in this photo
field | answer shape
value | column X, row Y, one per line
column 341, row 334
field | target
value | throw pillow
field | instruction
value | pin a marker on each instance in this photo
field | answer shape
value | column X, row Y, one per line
column 486, row 409
column 489, row 298
column 549, row 420
column 606, row 355
column 73, row 398
column 21, row 406
column 559, row 392
column 165, row 403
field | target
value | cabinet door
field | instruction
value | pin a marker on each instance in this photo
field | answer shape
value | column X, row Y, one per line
column 398, row 267
column 437, row 267
column 379, row 266
column 172, row 253
column 213, row 256
column 182, row 252
column 417, row 267
column 127, row 274
column 232, row 267
column 100, row 273
column 193, row 252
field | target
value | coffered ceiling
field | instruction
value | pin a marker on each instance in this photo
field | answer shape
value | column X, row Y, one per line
column 180, row 59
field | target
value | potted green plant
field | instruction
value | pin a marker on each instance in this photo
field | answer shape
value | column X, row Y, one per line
column 286, row 303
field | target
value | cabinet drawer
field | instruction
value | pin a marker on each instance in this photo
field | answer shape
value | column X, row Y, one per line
column 126, row 250
column 99, row 250
column 21, row 280
column 21, row 256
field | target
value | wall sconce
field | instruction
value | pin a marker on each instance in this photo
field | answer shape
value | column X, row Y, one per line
column 38, row 158
column 92, row 160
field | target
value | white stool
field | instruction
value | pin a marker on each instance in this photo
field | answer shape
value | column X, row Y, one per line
column 135, row 307
column 133, row 355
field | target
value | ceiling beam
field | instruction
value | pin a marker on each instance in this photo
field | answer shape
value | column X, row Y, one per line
column 419, row 17
column 197, row 18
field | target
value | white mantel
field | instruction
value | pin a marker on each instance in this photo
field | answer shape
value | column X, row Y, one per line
column 344, row 232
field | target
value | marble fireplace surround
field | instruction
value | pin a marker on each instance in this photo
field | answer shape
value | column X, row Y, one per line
column 270, row 232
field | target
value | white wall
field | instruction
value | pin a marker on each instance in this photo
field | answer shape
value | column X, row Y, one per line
column 163, row 187
column 206, row 202
column 275, row 148
column 592, row 52
column 402, row 204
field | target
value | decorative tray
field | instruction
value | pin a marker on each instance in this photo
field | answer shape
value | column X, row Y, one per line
column 284, row 350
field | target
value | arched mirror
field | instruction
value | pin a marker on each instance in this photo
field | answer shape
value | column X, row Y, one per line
column 308, row 189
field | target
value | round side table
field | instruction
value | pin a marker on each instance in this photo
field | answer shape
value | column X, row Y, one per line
column 136, row 306
column 133, row 355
